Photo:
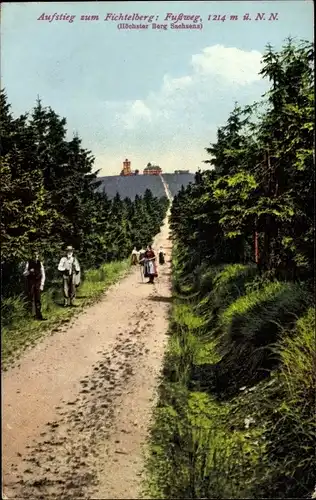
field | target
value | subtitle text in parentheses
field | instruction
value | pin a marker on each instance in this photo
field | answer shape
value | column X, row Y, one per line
column 183, row 26
column 132, row 26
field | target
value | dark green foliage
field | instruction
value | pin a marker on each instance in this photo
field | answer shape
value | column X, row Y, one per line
column 246, row 329
column 49, row 200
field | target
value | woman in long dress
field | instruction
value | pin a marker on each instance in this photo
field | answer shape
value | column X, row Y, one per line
column 150, row 268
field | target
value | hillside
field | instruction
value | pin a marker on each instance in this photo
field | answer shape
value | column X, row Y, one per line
column 131, row 186
column 175, row 181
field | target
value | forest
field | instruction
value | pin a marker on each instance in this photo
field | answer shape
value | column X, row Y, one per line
column 236, row 411
column 50, row 199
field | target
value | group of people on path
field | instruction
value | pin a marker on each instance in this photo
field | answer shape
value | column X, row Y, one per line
column 69, row 270
column 147, row 260
column 34, row 273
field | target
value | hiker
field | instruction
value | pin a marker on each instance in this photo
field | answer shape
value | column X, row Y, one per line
column 141, row 252
column 141, row 260
column 134, row 256
column 161, row 255
column 150, row 268
column 70, row 270
column 35, row 278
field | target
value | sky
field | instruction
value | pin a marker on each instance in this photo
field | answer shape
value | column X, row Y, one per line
column 155, row 94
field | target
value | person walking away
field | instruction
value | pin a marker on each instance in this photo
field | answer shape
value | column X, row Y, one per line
column 150, row 267
column 35, row 277
column 161, row 255
column 134, row 256
column 70, row 270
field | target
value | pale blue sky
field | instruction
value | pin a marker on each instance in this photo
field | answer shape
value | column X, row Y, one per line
column 147, row 95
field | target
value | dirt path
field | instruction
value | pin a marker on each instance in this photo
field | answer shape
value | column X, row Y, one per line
column 76, row 411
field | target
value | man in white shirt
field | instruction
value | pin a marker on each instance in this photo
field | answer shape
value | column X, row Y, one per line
column 35, row 275
column 70, row 270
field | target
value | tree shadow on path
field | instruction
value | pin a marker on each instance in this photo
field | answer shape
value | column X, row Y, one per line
column 159, row 298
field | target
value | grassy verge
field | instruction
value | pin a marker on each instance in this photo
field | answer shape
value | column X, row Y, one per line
column 235, row 412
column 20, row 331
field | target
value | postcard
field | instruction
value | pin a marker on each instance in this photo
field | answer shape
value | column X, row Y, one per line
column 157, row 249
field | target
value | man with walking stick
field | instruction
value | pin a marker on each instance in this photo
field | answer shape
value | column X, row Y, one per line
column 70, row 270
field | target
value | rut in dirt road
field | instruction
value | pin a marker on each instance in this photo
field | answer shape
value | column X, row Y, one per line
column 76, row 412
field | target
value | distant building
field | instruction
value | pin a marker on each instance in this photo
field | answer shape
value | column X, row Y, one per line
column 152, row 169
column 126, row 170
column 182, row 171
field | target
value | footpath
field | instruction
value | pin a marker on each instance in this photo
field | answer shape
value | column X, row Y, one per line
column 76, row 411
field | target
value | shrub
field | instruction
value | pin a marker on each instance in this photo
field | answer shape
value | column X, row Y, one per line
column 250, row 326
column 219, row 287
column 12, row 309
column 292, row 436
